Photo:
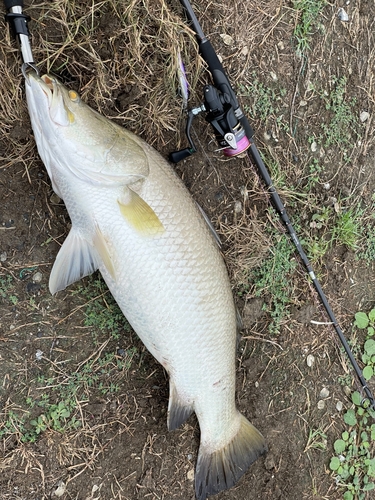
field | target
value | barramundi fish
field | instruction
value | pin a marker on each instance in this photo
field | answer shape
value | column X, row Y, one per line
column 134, row 220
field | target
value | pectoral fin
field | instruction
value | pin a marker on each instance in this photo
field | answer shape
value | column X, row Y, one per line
column 139, row 214
column 77, row 258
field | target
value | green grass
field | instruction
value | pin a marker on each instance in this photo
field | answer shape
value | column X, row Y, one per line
column 308, row 22
column 62, row 392
column 342, row 129
column 347, row 229
column 263, row 102
column 273, row 279
column 57, row 407
column 102, row 314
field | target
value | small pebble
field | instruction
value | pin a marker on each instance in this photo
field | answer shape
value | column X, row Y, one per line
column 324, row 393
column 237, row 207
column 314, row 147
column 244, row 51
column 227, row 39
column 37, row 278
column 310, row 360
column 342, row 15
column 339, row 406
column 60, row 490
column 364, row 116
column 326, row 186
column 39, row 355
column 303, row 103
column 219, row 196
column 321, row 404
column 190, row 456
column 3, row 256
column 273, row 76
column 190, row 475
column 347, row 391
column 267, row 136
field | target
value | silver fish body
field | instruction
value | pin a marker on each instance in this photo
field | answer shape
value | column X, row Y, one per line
column 133, row 219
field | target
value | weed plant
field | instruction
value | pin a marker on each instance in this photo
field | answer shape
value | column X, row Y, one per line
column 342, row 129
column 273, row 278
column 353, row 463
column 265, row 101
column 102, row 314
column 309, row 11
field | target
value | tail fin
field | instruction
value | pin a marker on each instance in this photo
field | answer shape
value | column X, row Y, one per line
column 221, row 469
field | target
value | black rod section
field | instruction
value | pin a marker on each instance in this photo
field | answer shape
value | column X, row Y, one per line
column 18, row 22
column 222, row 83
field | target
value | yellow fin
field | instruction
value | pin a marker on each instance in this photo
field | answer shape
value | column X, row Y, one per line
column 103, row 250
column 139, row 214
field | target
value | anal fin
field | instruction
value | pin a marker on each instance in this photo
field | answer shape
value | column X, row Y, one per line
column 178, row 412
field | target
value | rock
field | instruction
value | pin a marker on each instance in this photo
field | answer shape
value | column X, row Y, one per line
column 227, row 39
column 321, row 404
column 324, row 393
column 364, row 116
column 54, row 199
column 273, row 76
column 342, row 15
column 314, row 147
column 237, row 207
column 190, row 475
column 60, row 490
column 310, row 360
column 37, row 278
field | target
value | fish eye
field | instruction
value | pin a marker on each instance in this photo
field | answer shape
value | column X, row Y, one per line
column 73, row 96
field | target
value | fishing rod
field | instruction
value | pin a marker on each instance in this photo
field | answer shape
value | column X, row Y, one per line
column 235, row 136
column 18, row 23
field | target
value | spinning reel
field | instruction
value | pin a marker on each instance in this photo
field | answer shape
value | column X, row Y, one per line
column 229, row 132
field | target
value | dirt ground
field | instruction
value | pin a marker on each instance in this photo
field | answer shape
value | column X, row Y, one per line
column 110, row 439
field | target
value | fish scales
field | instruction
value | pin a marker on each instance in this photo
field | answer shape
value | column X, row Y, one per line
column 134, row 220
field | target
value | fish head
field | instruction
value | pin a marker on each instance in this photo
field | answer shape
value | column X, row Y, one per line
column 51, row 103
column 73, row 137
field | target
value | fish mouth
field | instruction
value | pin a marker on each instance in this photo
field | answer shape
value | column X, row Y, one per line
column 46, row 83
